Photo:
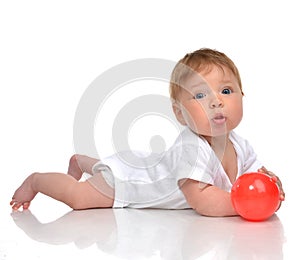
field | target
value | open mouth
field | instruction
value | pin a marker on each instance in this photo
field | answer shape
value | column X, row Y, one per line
column 219, row 119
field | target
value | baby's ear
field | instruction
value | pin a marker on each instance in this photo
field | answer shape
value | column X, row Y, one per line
column 178, row 113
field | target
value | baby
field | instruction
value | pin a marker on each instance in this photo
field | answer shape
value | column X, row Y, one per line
column 196, row 172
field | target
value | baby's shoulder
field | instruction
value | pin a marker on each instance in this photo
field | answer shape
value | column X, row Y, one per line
column 187, row 139
column 240, row 143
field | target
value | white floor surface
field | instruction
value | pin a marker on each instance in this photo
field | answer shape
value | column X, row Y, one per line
column 56, row 232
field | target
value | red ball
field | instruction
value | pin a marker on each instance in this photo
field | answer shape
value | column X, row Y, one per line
column 255, row 196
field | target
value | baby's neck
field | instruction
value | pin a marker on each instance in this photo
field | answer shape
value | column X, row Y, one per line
column 218, row 143
column 225, row 152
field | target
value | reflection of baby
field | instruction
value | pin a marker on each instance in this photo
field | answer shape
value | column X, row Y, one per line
column 196, row 172
column 84, row 227
column 181, row 234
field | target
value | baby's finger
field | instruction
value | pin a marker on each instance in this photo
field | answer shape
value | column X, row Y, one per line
column 282, row 196
column 263, row 169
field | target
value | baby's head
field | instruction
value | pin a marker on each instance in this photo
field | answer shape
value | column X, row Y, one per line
column 199, row 61
column 206, row 93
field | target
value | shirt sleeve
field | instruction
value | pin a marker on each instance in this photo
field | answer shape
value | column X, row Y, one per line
column 195, row 163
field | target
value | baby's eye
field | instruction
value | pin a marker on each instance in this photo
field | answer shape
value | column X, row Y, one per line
column 226, row 91
column 199, row 95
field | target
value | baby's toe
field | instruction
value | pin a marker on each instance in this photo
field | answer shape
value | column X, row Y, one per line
column 26, row 205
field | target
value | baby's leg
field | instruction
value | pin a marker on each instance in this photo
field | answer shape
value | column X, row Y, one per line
column 65, row 188
column 79, row 164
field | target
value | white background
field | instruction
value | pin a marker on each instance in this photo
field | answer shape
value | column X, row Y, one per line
column 51, row 51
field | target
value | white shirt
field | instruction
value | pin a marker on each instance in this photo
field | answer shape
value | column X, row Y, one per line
column 145, row 180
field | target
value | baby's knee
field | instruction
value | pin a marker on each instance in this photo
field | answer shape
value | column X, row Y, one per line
column 73, row 159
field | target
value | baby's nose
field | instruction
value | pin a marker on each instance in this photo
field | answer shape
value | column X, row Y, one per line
column 216, row 102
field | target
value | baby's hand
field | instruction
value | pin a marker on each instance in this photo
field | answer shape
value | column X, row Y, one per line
column 278, row 182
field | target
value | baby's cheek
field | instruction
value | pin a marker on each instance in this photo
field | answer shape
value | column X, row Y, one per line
column 237, row 112
column 195, row 114
column 195, row 109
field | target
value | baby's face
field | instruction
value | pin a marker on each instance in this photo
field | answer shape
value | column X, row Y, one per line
column 210, row 103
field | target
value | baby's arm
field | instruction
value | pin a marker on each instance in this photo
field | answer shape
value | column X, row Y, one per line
column 206, row 199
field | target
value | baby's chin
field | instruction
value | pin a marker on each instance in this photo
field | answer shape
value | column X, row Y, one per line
column 214, row 133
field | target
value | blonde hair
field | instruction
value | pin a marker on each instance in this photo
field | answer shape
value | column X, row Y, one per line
column 199, row 61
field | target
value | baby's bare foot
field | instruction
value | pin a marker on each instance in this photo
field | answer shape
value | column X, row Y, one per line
column 74, row 169
column 24, row 194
